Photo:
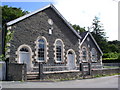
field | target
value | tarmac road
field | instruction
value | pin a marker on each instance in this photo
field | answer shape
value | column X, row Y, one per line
column 102, row 82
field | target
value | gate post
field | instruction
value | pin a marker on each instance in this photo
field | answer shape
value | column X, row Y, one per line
column 40, row 70
column 82, row 69
column 89, row 66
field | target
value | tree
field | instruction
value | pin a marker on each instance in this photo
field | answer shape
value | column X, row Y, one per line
column 114, row 46
column 8, row 14
column 77, row 27
column 11, row 13
column 99, row 34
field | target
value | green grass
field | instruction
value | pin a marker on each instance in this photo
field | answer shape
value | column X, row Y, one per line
column 109, row 58
column 110, row 66
column 104, row 75
column 79, row 78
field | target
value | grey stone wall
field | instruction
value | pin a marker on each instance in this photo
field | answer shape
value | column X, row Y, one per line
column 78, row 74
column 105, row 71
column 16, row 72
column 63, row 75
column 92, row 45
column 27, row 31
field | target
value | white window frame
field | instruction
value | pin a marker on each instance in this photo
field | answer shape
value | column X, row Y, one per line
column 84, row 55
column 45, row 49
column 62, row 51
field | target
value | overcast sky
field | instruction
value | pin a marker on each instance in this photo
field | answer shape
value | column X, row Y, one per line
column 82, row 12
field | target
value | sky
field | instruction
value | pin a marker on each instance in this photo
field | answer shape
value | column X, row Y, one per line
column 80, row 12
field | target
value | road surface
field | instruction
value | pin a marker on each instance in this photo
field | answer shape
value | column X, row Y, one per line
column 102, row 82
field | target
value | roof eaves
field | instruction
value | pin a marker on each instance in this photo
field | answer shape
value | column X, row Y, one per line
column 25, row 16
column 93, row 40
column 96, row 43
column 84, row 38
column 66, row 22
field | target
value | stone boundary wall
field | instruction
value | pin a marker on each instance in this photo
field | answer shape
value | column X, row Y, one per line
column 105, row 71
column 16, row 72
column 78, row 74
column 111, row 64
column 62, row 75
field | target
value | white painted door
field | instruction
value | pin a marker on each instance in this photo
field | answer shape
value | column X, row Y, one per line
column 25, row 58
column 71, row 62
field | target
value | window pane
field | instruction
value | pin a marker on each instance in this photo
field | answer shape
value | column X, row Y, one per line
column 84, row 54
column 41, row 49
column 59, row 50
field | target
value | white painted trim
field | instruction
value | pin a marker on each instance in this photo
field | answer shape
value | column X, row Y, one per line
column 46, row 49
column 74, row 56
column 93, row 40
column 30, row 51
column 96, row 43
column 9, row 28
column 101, row 60
column 79, row 50
column 39, row 10
column 84, row 39
column 25, row 16
column 74, row 31
column 63, row 51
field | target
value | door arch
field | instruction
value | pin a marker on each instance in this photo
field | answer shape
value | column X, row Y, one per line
column 25, row 56
column 71, row 63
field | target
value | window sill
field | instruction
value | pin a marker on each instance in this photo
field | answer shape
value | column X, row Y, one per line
column 84, row 61
column 94, row 61
column 40, row 61
column 61, row 62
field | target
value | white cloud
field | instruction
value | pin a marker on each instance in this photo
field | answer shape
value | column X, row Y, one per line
column 82, row 12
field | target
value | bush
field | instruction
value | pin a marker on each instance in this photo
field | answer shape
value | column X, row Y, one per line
column 109, row 56
column 119, row 57
column 2, row 58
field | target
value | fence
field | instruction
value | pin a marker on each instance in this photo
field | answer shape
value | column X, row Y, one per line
column 57, row 68
column 62, row 67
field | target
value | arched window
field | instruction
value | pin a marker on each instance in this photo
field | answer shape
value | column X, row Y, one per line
column 41, row 49
column 94, row 55
column 24, row 49
column 59, row 50
column 84, row 54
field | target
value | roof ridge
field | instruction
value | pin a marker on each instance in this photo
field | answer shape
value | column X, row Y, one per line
column 27, row 15
column 34, row 12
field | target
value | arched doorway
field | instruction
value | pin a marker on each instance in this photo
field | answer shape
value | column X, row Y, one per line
column 71, row 59
column 24, row 56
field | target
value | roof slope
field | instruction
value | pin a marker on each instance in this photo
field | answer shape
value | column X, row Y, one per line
column 84, row 36
column 39, row 10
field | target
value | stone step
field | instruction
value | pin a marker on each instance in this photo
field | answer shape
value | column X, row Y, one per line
column 32, row 75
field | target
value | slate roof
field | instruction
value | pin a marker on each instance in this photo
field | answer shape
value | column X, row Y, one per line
column 39, row 10
column 84, row 36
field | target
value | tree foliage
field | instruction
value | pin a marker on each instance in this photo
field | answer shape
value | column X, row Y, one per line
column 11, row 13
column 78, row 28
column 99, row 34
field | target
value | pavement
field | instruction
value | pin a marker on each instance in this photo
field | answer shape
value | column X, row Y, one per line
column 101, row 82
